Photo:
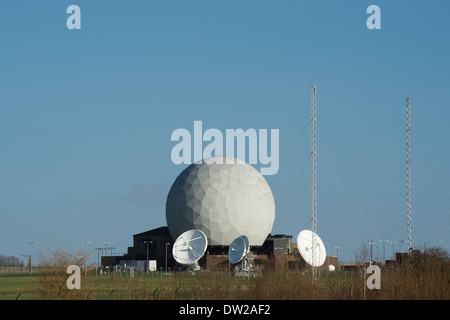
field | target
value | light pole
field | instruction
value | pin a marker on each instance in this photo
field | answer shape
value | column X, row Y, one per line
column 85, row 262
column 337, row 254
column 384, row 249
column 393, row 252
column 106, row 247
column 166, row 257
column 229, row 263
column 371, row 242
column 31, row 254
column 98, row 257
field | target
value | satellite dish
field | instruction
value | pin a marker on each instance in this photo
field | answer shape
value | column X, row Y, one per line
column 304, row 244
column 247, row 243
column 237, row 250
column 189, row 247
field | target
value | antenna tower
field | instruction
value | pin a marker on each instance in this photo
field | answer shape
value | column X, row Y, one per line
column 408, row 173
column 314, row 176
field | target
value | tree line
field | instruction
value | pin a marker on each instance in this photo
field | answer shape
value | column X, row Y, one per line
column 10, row 261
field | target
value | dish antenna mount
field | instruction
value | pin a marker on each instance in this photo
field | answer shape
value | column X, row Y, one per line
column 239, row 252
column 189, row 247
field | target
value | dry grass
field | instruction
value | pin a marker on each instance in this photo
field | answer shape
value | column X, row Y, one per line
column 419, row 279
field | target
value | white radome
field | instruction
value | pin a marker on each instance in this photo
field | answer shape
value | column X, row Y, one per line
column 223, row 197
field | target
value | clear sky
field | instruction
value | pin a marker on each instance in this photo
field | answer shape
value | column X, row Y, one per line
column 86, row 115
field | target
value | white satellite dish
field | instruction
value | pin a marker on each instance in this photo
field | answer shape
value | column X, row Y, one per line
column 304, row 244
column 237, row 250
column 190, row 247
column 247, row 243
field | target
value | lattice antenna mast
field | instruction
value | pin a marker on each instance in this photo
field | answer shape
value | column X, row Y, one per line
column 314, row 177
column 408, row 173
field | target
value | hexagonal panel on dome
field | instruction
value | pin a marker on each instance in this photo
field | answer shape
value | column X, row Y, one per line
column 224, row 199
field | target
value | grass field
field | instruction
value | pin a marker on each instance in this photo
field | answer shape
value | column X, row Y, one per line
column 18, row 286
column 420, row 278
column 396, row 284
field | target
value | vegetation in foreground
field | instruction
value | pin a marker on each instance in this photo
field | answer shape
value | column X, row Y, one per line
column 425, row 278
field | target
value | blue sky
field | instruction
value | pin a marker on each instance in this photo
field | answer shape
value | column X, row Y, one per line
column 86, row 115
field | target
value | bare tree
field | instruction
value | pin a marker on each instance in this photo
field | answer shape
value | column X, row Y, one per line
column 53, row 275
column 9, row 262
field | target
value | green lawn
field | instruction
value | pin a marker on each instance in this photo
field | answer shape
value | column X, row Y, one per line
column 156, row 286
column 18, row 286
column 23, row 286
column 425, row 282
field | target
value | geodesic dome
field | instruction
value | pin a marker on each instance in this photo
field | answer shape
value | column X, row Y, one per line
column 223, row 200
